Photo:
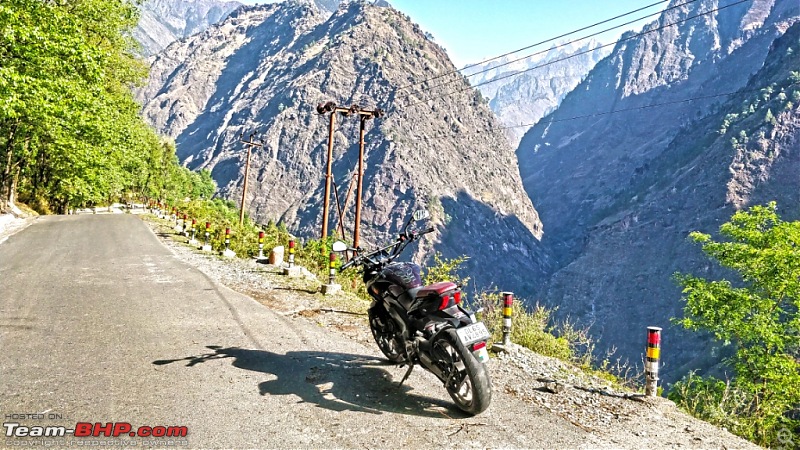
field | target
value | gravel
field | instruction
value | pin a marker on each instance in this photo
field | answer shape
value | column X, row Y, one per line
column 613, row 416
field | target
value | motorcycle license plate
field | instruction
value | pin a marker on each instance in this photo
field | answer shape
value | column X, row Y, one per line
column 473, row 333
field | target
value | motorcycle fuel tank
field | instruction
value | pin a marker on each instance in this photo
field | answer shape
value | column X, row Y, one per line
column 404, row 274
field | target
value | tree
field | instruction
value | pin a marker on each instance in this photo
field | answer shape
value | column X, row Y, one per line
column 758, row 315
column 70, row 132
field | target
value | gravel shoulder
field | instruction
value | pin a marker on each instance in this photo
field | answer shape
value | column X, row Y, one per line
column 11, row 224
column 538, row 402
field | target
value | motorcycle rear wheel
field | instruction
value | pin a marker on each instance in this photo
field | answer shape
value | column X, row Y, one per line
column 467, row 380
column 385, row 331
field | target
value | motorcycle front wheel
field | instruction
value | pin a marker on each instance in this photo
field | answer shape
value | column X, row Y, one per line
column 466, row 378
column 385, row 331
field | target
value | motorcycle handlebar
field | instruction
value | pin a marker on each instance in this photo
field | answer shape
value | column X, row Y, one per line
column 361, row 258
column 349, row 263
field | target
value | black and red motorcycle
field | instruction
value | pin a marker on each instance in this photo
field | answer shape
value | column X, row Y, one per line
column 426, row 325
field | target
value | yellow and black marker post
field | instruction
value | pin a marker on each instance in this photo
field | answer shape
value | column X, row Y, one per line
column 208, row 234
column 508, row 302
column 194, row 231
column 652, row 360
column 332, row 273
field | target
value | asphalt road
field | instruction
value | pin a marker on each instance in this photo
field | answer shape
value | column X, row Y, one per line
column 99, row 322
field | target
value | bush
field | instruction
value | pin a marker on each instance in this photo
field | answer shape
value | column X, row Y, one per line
column 758, row 314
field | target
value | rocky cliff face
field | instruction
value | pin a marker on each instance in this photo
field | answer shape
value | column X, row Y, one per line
column 543, row 81
column 165, row 21
column 266, row 68
column 620, row 182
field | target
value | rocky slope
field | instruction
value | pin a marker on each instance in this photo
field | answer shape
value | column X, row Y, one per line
column 620, row 187
column 543, row 81
column 267, row 67
column 165, row 21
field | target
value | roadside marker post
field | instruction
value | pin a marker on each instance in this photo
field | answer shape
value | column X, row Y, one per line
column 331, row 287
column 206, row 246
column 508, row 303
column 332, row 277
column 182, row 229
column 292, row 270
column 193, row 241
column 228, row 253
column 260, row 245
column 652, row 359
column 177, row 227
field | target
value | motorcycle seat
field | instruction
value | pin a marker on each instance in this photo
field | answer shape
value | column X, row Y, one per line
column 433, row 289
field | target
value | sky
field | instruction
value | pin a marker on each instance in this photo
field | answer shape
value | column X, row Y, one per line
column 474, row 30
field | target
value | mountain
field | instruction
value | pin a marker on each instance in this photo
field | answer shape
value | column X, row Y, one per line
column 521, row 90
column 267, row 67
column 165, row 21
column 673, row 132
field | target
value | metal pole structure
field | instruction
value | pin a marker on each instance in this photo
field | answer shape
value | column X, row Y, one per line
column 250, row 144
column 328, row 175
column 364, row 115
column 244, row 188
column 360, row 186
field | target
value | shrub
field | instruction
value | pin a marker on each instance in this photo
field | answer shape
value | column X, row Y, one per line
column 758, row 314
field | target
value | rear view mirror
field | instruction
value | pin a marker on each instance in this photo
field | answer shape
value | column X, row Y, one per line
column 339, row 246
column 421, row 214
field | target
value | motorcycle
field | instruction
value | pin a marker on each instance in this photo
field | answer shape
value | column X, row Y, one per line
column 424, row 325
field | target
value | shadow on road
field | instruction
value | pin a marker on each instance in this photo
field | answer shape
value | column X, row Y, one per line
column 336, row 381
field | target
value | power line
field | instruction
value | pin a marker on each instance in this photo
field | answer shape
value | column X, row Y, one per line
column 580, row 39
column 554, row 47
column 537, row 44
column 576, row 54
column 634, row 108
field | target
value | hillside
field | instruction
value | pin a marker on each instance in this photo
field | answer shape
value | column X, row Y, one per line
column 543, row 80
column 619, row 184
column 267, row 67
column 162, row 22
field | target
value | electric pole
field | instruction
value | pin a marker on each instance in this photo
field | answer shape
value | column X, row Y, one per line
column 250, row 144
column 364, row 115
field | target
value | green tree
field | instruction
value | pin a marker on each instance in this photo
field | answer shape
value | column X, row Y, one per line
column 770, row 118
column 70, row 132
column 758, row 314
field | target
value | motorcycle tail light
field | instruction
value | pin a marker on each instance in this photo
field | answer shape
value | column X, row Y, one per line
column 445, row 302
column 478, row 345
column 451, row 299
